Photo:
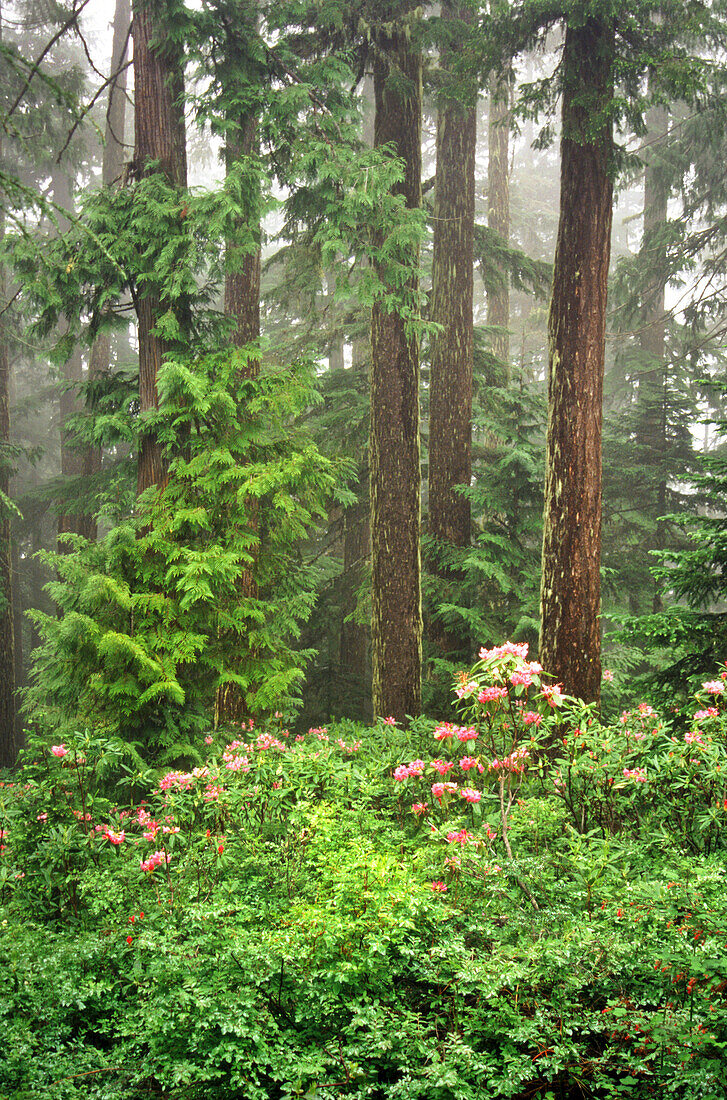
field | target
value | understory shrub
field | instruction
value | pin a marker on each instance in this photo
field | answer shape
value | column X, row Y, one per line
column 478, row 909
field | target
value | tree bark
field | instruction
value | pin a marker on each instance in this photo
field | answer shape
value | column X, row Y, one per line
column 160, row 136
column 570, row 589
column 498, row 208
column 111, row 171
column 450, row 395
column 396, row 619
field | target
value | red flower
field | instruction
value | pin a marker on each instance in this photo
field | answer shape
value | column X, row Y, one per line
column 221, row 849
column 129, row 939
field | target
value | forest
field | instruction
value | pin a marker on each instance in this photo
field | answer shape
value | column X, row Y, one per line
column 363, row 549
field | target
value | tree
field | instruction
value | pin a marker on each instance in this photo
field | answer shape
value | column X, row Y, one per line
column 450, row 396
column 570, row 588
column 160, row 147
column 396, row 622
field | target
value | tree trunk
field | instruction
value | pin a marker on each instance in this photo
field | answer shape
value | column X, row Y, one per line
column 159, row 129
column 111, row 171
column 450, row 395
column 396, row 617
column 570, row 588
column 498, row 209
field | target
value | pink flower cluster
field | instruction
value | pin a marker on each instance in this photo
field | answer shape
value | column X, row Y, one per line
column 59, row 750
column 470, row 794
column 440, row 789
column 445, row 730
column 441, row 766
column 112, row 837
column 713, row 687
column 515, row 762
column 637, row 774
column 491, row 694
column 181, row 780
column 509, row 649
column 154, row 860
column 404, row 771
column 701, row 715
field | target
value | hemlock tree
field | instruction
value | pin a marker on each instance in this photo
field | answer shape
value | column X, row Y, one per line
column 396, row 615
column 450, row 397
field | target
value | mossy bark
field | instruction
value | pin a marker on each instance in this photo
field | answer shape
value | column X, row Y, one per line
column 450, row 394
column 396, row 617
column 570, row 591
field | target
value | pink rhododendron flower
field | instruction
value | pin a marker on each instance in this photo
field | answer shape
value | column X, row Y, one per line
column 468, row 762
column 42, row 817
column 416, row 768
column 553, row 694
column 466, row 689
column 390, row 721
column 607, row 675
column 181, row 780
column 59, row 750
column 713, row 687
column 466, row 733
column 440, row 789
column 532, row 718
column 694, row 737
column 441, row 766
column 470, row 794
column 637, row 774
column 419, row 808
column 646, row 710
column 463, row 836
column 443, row 731
column 701, row 715
column 401, row 773
column 509, row 649
column 521, row 677
column 114, row 838
column 208, row 739
column 491, row 694
column 438, row 888
column 154, row 860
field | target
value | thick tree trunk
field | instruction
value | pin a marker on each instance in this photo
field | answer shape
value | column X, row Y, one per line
column 570, row 590
column 111, row 171
column 396, row 620
column 498, row 208
column 159, row 129
column 450, row 395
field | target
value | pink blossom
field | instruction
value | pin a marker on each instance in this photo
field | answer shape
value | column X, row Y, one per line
column 444, row 731
column 390, row 721
column 470, row 794
column 42, row 817
column 713, row 687
column 646, row 710
column 553, row 694
column 466, row 733
column 532, row 718
column 401, row 773
column 637, row 774
column 508, row 649
column 454, row 863
column 236, row 763
column 267, row 741
column 419, row 808
column 693, row 737
column 491, row 694
column 608, row 675
column 467, row 762
column 466, row 689
column 208, row 739
column 438, row 888
column 154, row 860
column 59, row 750
column 114, row 838
column 181, row 780
column 710, row 712
column 439, row 789
column 521, row 678
column 441, row 766
column 416, row 768
column 464, row 836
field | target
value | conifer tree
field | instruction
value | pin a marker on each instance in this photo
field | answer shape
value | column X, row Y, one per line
column 396, row 623
column 160, row 137
column 450, row 396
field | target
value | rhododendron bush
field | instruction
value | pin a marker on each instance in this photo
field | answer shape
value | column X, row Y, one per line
column 520, row 900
